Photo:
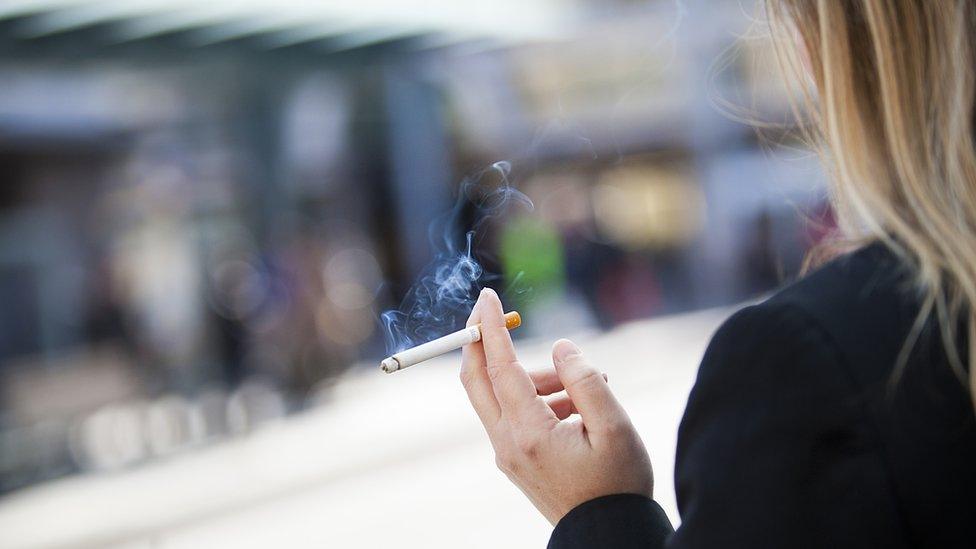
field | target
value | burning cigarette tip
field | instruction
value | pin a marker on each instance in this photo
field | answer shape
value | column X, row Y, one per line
column 389, row 365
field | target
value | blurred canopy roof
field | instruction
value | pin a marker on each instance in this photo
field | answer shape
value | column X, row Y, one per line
column 318, row 27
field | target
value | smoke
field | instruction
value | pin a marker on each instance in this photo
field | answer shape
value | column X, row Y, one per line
column 445, row 292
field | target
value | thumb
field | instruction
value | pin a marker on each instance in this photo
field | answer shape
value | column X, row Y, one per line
column 587, row 388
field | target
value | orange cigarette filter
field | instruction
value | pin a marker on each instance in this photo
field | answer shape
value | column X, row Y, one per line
column 513, row 320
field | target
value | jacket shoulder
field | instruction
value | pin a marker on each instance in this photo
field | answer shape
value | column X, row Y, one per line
column 865, row 303
column 776, row 405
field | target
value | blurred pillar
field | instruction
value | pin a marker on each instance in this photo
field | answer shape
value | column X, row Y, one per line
column 262, row 103
column 420, row 161
column 712, row 136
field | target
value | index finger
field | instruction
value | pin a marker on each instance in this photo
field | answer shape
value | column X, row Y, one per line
column 513, row 387
column 474, row 377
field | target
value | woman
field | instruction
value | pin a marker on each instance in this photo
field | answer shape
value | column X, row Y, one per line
column 840, row 412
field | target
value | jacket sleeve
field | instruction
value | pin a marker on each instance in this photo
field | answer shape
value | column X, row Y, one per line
column 770, row 449
column 621, row 521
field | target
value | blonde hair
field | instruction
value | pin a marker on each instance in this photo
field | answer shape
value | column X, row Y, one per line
column 894, row 86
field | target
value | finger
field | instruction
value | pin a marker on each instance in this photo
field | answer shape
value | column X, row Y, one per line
column 562, row 406
column 587, row 389
column 474, row 377
column 513, row 388
column 547, row 381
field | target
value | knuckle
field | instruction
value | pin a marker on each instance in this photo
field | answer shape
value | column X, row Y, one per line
column 587, row 378
column 505, row 462
column 497, row 369
column 494, row 372
column 465, row 376
column 528, row 446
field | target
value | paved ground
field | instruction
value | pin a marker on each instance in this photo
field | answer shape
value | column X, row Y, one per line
column 394, row 460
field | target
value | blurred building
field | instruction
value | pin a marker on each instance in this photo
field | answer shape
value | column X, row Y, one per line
column 204, row 207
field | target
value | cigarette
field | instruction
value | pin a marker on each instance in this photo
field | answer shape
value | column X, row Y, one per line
column 442, row 345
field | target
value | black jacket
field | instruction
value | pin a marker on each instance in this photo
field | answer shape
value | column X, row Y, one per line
column 797, row 433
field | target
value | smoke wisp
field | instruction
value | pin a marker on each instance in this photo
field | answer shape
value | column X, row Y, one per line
column 442, row 297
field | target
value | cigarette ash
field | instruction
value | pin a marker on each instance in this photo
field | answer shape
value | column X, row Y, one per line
column 442, row 297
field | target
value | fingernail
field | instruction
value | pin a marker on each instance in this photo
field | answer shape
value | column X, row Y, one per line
column 566, row 349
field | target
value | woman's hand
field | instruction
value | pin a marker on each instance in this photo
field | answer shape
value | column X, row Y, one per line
column 558, row 464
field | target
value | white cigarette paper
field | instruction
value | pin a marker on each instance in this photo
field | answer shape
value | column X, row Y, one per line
column 442, row 345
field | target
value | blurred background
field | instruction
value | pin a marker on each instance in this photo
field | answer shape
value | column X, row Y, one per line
column 206, row 206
